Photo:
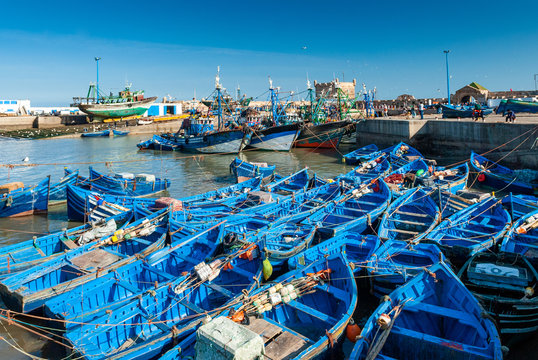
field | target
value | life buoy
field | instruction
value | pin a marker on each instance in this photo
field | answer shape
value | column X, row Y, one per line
column 481, row 177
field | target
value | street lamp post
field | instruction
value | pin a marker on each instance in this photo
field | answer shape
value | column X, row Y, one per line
column 447, row 75
column 97, row 95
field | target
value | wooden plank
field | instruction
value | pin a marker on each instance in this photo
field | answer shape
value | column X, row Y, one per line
column 407, row 222
column 70, row 244
column 285, row 346
column 94, row 259
column 264, row 328
column 411, row 214
column 403, row 231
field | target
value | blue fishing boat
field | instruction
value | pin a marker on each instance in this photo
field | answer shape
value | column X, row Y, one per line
column 58, row 191
column 119, row 132
column 519, row 205
column 433, row 316
column 279, row 242
column 402, row 154
column 104, row 133
column 410, row 217
column 355, row 156
column 498, row 177
column 115, row 289
column 451, row 180
column 298, row 206
column 368, row 170
column 396, row 262
column 17, row 257
column 28, row 290
column 357, row 248
column 406, row 176
column 471, row 230
column 154, row 322
column 522, row 238
column 289, row 184
column 504, row 284
column 244, row 170
column 356, row 211
column 300, row 309
column 275, row 138
column 141, row 184
column 462, row 111
column 18, row 200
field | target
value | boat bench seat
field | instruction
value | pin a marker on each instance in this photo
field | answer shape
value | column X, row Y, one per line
column 189, row 305
column 409, row 222
column 441, row 311
column 489, row 226
column 159, row 272
column 220, row 289
column 411, row 213
column 338, row 293
column 141, row 241
column 312, row 312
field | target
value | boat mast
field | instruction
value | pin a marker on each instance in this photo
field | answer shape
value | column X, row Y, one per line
column 97, row 94
column 311, row 96
column 218, row 88
column 274, row 101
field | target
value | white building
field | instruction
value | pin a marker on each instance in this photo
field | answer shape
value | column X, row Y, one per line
column 14, row 107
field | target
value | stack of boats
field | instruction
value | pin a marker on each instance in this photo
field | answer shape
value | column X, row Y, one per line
column 267, row 266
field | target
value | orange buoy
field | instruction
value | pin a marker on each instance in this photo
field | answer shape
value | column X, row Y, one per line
column 352, row 331
column 481, row 177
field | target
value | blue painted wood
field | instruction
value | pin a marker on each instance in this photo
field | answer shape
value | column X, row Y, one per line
column 167, row 308
column 410, row 217
column 357, row 248
column 471, row 230
column 115, row 289
column 243, row 170
column 396, row 262
column 355, row 156
column 103, row 133
column 498, row 177
column 502, row 283
column 439, row 319
column 522, row 237
column 25, row 201
column 356, row 211
column 29, row 289
column 519, row 205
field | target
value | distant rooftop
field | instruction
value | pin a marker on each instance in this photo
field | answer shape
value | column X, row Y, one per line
column 477, row 86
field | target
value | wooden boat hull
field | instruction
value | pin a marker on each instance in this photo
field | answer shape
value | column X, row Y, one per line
column 452, row 112
column 522, row 238
column 517, row 106
column 277, row 138
column 27, row 201
column 355, row 157
column 498, row 177
column 104, row 133
column 471, row 230
column 243, row 170
column 433, row 316
column 499, row 282
column 221, row 142
column 323, row 136
column 30, row 289
column 116, row 110
column 396, row 262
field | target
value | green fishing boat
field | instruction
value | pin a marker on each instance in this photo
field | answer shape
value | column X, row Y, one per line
column 126, row 103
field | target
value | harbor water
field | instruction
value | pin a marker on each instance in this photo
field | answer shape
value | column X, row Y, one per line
column 190, row 174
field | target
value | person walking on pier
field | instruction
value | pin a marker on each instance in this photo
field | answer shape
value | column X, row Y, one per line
column 385, row 110
column 413, row 111
column 421, row 111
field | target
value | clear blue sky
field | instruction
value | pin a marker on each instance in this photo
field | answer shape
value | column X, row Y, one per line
column 174, row 47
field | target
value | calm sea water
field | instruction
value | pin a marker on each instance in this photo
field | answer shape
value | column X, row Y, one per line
column 189, row 175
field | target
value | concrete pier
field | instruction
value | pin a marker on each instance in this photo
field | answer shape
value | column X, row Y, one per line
column 454, row 139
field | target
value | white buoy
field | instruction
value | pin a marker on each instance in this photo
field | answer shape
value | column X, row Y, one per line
column 26, row 159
